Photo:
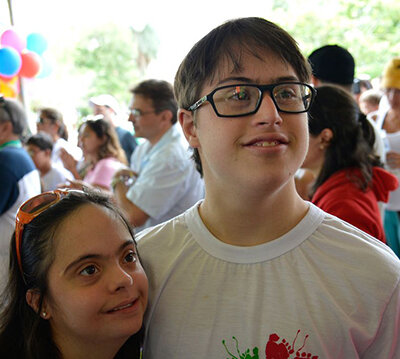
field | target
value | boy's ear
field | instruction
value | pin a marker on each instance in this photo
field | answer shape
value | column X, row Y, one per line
column 189, row 128
column 32, row 297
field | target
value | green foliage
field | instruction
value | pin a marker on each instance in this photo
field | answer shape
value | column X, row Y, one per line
column 114, row 58
column 369, row 29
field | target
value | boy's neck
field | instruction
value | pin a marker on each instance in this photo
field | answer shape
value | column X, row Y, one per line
column 246, row 221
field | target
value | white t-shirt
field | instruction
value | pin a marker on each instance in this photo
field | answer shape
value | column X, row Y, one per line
column 74, row 151
column 168, row 183
column 325, row 290
column 57, row 175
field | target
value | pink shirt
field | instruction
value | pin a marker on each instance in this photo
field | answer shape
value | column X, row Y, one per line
column 103, row 172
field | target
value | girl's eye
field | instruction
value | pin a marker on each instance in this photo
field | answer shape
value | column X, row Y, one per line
column 130, row 257
column 89, row 270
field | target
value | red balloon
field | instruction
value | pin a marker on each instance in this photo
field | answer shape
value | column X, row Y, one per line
column 30, row 64
column 6, row 78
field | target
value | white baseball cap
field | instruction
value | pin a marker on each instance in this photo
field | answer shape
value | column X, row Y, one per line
column 105, row 100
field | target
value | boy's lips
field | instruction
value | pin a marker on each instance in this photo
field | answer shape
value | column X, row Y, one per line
column 267, row 141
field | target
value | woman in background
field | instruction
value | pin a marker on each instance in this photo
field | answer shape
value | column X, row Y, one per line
column 350, row 180
column 388, row 119
column 102, row 153
column 51, row 122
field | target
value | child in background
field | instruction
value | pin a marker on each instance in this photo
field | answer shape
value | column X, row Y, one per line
column 253, row 269
column 369, row 101
column 76, row 287
column 40, row 148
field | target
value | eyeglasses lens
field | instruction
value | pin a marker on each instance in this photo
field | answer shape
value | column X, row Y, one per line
column 292, row 97
column 236, row 100
column 241, row 99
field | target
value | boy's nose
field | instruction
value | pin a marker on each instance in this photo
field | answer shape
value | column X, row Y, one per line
column 267, row 114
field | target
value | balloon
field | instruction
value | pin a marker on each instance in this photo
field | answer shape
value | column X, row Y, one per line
column 36, row 42
column 30, row 64
column 12, row 39
column 6, row 78
column 9, row 88
column 10, row 61
column 45, row 70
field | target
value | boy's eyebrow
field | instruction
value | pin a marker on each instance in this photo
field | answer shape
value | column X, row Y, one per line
column 96, row 256
column 247, row 80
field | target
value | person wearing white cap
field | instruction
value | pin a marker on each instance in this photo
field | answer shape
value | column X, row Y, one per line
column 108, row 106
column 389, row 121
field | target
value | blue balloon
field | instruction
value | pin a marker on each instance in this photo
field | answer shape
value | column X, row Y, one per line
column 46, row 69
column 10, row 61
column 36, row 42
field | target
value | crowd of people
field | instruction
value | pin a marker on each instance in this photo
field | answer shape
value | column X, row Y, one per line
column 270, row 228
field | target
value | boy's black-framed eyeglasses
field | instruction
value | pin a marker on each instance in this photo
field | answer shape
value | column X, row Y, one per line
column 3, row 104
column 245, row 99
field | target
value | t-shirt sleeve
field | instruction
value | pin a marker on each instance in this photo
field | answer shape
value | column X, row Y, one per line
column 387, row 343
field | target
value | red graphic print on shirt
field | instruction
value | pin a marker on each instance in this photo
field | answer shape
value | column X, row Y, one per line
column 274, row 349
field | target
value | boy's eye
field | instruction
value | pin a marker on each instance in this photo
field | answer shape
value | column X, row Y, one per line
column 240, row 93
column 89, row 270
column 286, row 93
column 130, row 257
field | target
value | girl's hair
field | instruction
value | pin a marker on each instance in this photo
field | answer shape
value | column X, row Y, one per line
column 23, row 333
column 55, row 117
column 111, row 146
column 353, row 137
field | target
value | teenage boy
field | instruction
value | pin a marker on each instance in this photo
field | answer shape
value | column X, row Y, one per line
column 253, row 271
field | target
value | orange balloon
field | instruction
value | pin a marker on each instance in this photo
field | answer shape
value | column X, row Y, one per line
column 9, row 88
column 30, row 64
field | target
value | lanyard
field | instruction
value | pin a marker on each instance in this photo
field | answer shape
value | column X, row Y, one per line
column 13, row 143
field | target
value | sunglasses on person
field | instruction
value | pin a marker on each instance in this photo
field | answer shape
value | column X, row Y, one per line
column 31, row 209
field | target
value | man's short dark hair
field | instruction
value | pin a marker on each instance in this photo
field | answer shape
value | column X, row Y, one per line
column 161, row 94
column 333, row 64
column 41, row 140
column 12, row 110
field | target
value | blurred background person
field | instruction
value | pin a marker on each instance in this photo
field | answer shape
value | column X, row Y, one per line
column 19, row 179
column 164, row 181
column 102, row 152
column 369, row 102
column 360, row 85
column 40, row 147
column 333, row 65
column 51, row 121
column 107, row 106
column 350, row 180
column 388, row 119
